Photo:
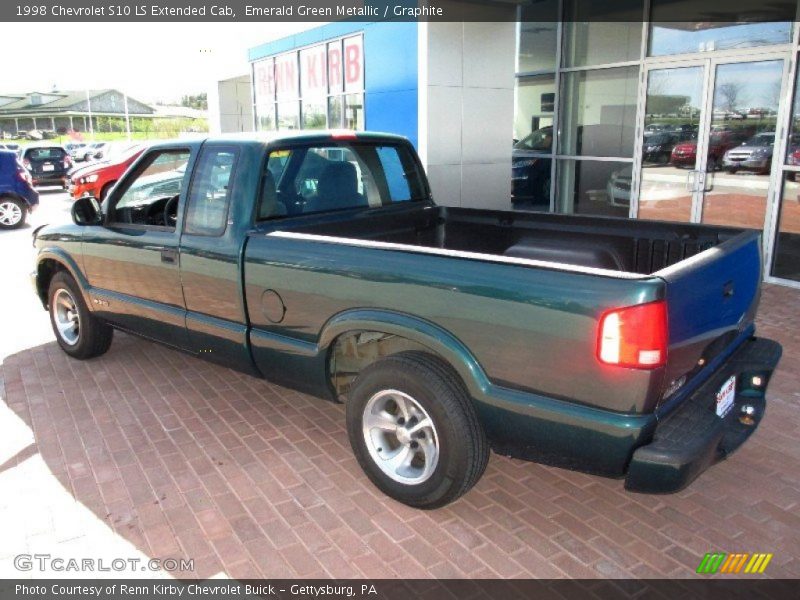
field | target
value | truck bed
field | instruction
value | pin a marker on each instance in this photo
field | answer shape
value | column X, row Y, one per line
column 618, row 245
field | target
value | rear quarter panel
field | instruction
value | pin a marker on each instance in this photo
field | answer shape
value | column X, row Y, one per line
column 529, row 329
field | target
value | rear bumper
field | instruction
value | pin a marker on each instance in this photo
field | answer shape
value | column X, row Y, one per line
column 50, row 179
column 693, row 437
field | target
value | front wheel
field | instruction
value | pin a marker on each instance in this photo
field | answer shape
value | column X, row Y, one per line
column 414, row 431
column 79, row 333
column 13, row 213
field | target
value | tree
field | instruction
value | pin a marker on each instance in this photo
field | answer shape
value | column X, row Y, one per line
column 730, row 95
column 199, row 101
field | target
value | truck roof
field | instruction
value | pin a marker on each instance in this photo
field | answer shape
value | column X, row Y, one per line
column 272, row 137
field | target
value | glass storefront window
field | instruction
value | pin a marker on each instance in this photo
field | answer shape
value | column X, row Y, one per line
column 537, row 37
column 686, row 38
column 354, row 111
column 534, row 102
column 786, row 261
column 597, row 33
column 265, row 117
column 599, row 112
column 592, row 187
column 314, row 114
column 288, row 115
column 335, row 112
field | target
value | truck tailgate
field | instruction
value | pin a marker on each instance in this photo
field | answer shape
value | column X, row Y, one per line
column 712, row 299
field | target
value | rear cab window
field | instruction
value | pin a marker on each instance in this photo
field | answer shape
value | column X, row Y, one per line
column 337, row 176
column 51, row 153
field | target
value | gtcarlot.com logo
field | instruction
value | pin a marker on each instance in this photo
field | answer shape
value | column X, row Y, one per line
column 730, row 564
column 48, row 562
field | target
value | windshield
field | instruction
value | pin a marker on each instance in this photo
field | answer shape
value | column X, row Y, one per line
column 541, row 140
column 659, row 139
column 762, row 139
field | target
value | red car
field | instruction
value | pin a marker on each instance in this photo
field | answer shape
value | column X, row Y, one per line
column 96, row 179
column 685, row 153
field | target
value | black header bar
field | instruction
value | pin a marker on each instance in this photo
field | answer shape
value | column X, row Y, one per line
column 242, row 11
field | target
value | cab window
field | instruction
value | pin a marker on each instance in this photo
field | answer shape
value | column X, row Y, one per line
column 338, row 176
column 150, row 196
column 210, row 194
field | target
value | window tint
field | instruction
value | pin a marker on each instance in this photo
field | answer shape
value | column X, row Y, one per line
column 46, row 153
column 207, row 210
column 150, row 197
column 338, row 176
column 396, row 180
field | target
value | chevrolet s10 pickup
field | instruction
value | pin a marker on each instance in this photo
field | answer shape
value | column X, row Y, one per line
column 321, row 262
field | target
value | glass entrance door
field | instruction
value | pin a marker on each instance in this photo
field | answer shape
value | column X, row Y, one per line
column 741, row 142
column 670, row 159
column 707, row 140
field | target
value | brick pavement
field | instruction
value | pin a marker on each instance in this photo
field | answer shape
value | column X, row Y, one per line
column 157, row 454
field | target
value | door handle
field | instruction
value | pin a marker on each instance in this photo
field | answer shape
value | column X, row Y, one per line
column 169, row 256
column 691, row 181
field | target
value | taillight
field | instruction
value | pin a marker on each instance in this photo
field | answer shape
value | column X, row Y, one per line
column 67, row 162
column 27, row 164
column 634, row 336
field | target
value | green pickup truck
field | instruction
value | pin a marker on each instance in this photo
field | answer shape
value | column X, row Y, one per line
column 320, row 262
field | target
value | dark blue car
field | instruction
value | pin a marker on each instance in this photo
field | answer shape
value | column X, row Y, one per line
column 17, row 196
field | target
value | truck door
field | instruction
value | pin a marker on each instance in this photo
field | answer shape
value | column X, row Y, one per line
column 131, row 261
column 209, row 255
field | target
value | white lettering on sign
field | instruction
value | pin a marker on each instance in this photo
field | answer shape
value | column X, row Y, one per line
column 333, row 67
column 286, row 76
column 353, row 64
column 313, row 75
column 264, row 81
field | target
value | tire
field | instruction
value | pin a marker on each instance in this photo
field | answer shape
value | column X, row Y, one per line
column 428, row 388
column 90, row 337
column 13, row 213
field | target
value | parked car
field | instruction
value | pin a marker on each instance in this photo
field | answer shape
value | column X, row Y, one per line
column 658, row 147
column 92, row 151
column 100, row 149
column 47, row 164
column 753, row 155
column 96, row 179
column 619, row 186
column 18, row 198
column 618, row 347
column 530, row 171
column 75, row 149
column 684, row 154
column 11, row 147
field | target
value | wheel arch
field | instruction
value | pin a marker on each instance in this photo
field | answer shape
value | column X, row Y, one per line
column 51, row 261
column 385, row 333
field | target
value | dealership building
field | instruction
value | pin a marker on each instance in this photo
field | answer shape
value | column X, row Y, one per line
column 638, row 118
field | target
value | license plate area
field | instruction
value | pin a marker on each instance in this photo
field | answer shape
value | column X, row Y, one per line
column 725, row 397
column 48, row 167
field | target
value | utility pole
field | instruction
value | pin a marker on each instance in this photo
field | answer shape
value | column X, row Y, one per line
column 127, row 117
column 89, row 108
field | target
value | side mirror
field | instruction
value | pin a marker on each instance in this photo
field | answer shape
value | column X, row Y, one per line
column 86, row 211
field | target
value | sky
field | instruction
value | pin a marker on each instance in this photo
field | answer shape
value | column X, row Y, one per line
column 149, row 61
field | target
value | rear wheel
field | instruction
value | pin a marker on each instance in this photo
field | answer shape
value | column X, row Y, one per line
column 414, row 431
column 13, row 213
column 79, row 333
